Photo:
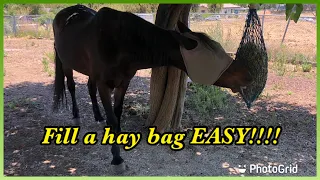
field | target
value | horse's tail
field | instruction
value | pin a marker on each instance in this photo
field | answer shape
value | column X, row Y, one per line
column 59, row 87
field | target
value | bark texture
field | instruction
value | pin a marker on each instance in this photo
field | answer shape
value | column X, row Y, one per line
column 168, row 84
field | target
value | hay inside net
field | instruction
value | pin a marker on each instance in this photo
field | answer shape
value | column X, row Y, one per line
column 252, row 52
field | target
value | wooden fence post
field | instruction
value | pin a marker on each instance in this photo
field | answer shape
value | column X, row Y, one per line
column 14, row 25
column 264, row 13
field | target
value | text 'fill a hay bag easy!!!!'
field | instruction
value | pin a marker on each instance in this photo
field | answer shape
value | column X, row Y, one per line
column 252, row 52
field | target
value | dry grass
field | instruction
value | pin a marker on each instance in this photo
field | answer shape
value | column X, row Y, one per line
column 300, row 37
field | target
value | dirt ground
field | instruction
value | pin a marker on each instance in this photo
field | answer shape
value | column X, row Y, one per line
column 288, row 101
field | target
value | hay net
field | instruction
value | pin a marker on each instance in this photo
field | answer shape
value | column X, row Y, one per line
column 252, row 52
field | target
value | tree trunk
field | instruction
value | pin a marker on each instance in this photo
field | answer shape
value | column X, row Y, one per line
column 168, row 84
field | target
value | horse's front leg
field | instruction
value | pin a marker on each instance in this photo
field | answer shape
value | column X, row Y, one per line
column 119, row 94
column 105, row 95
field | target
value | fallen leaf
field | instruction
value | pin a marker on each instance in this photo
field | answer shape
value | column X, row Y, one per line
column 72, row 170
column 13, row 133
column 46, row 162
column 225, row 165
column 237, row 170
column 231, row 171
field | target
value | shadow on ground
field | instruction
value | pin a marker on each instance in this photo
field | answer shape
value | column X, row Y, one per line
column 27, row 110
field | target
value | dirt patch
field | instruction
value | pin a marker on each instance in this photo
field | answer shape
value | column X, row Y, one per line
column 28, row 103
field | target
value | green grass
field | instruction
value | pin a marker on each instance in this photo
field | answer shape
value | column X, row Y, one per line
column 205, row 15
column 306, row 67
column 18, row 103
column 11, row 105
column 46, row 67
column 277, row 86
column 46, row 61
column 205, row 99
column 264, row 96
column 50, row 56
column 282, row 56
column 299, row 58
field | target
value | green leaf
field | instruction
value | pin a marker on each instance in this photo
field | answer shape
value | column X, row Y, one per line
column 296, row 15
column 289, row 8
column 290, row 11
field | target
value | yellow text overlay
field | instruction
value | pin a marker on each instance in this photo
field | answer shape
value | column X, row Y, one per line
column 199, row 135
column 235, row 135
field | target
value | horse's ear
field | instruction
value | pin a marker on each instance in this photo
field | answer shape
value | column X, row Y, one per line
column 182, row 28
column 184, row 41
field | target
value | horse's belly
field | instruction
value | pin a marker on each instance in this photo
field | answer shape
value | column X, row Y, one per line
column 75, row 60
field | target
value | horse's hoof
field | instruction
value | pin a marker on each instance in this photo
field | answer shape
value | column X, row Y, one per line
column 77, row 121
column 120, row 168
column 76, row 115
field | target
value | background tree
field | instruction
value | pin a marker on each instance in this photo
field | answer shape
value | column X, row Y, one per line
column 215, row 8
column 242, row 5
column 23, row 9
column 194, row 8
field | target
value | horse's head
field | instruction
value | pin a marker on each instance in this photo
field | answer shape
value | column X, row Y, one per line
column 236, row 77
column 207, row 62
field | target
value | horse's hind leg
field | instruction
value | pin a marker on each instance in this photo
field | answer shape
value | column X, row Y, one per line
column 72, row 88
column 93, row 95
column 105, row 95
column 119, row 94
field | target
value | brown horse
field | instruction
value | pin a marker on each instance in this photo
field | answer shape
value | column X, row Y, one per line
column 109, row 46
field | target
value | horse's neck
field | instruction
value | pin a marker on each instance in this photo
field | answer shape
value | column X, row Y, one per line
column 147, row 45
column 162, row 50
column 153, row 58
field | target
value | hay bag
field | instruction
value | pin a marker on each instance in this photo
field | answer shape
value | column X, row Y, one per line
column 252, row 52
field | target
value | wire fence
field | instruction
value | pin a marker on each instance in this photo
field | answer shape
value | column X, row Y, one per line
column 14, row 25
column 41, row 26
column 226, row 29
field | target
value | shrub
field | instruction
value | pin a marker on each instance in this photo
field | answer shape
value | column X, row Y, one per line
column 46, row 19
column 306, row 67
column 207, row 98
column 280, row 60
column 8, row 29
